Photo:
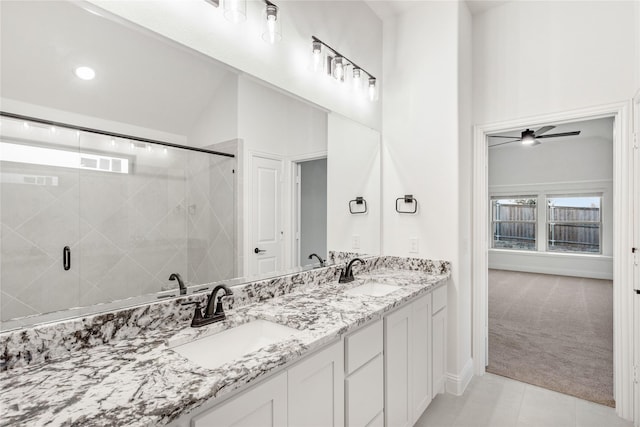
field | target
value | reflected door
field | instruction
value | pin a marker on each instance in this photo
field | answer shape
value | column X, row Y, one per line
column 39, row 167
column 266, row 234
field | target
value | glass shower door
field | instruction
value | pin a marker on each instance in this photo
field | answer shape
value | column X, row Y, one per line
column 39, row 191
column 132, row 219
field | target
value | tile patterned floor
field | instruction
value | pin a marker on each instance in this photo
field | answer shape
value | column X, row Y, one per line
column 494, row 401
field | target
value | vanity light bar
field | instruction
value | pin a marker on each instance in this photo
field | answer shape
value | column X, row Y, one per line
column 342, row 63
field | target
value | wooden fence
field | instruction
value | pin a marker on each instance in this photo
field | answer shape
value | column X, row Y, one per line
column 574, row 229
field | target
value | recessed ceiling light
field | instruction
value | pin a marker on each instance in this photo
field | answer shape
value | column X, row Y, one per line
column 85, row 73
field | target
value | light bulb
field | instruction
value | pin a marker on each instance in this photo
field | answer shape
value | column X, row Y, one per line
column 164, row 150
column 357, row 78
column 338, row 68
column 528, row 138
column 372, row 89
column 272, row 32
column 85, row 73
column 53, row 129
column 317, row 55
column 113, row 142
column 149, row 147
column 235, row 10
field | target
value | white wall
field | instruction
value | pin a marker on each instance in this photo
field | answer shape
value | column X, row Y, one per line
column 426, row 152
column 576, row 165
column 637, row 37
column 353, row 169
column 218, row 122
column 564, row 65
column 85, row 120
column 276, row 125
column 349, row 26
column 313, row 210
column 539, row 57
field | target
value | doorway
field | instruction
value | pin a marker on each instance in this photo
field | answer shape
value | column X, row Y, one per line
column 622, row 214
column 311, row 211
column 550, row 293
column 266, row 231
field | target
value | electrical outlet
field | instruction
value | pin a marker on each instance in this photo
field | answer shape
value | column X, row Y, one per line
column 355, row 241
column 413, row 245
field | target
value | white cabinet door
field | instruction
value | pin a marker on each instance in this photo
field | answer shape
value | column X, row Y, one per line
column 398, row 365
column 439, row 342
column 264, row 405
column 316, row 389
column 421, row 341
column 364, row 393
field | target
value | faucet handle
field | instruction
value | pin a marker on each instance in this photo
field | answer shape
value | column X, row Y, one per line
column 219, row 307
column 197, row 314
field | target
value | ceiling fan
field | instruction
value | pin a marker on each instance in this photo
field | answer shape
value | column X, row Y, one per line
column 529, row 137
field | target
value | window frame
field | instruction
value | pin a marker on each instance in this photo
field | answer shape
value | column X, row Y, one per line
column 535, row 221
column 548, row 222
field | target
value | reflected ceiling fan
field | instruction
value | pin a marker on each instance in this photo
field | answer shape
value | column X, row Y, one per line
column 529, row 137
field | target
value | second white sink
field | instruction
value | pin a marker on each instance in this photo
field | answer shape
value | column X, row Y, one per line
column 372, row 289
column 215, row 350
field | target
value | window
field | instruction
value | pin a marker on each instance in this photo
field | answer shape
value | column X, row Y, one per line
column 574, row 224
column 514, row 222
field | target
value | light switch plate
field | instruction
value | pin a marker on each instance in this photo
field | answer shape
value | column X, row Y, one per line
column 413, row 245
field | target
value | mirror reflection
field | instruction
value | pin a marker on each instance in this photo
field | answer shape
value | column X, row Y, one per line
column 103, row 197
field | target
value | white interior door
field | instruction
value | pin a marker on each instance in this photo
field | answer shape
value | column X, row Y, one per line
column 266, row 234
column 636, row 255
column 636, row 195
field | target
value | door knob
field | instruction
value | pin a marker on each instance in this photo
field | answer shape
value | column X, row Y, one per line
column 259, row 251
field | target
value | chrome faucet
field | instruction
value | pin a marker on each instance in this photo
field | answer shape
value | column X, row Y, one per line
column 320, row 260
column 183, row 288
column 214, row 312
column 346, row 275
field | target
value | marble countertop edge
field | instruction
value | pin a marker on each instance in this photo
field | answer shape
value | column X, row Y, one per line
column 141, row 382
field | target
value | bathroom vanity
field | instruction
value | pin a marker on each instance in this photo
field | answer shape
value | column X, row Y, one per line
column 370, row 352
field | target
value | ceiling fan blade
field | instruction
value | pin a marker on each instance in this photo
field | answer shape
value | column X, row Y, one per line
column 543, row 129
column 502, row 143
column 502, row 136
column 557, row 135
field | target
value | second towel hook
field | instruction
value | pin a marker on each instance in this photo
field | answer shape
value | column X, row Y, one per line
column 358, row 201
column 408, row 199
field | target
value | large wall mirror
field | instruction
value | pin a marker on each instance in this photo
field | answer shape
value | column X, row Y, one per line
column 167, row 161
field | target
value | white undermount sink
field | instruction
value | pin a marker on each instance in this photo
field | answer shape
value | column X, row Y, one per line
column 215, row 350
column 373, row 289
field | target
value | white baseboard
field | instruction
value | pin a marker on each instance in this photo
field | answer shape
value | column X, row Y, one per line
column 457, row 384
column 562, row 264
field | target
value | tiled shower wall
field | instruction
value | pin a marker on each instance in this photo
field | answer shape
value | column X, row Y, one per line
column 173, row 212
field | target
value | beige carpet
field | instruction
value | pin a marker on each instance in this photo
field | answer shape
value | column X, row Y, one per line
column 553, row 331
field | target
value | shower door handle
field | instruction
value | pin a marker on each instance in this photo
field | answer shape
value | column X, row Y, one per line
column 66, row 258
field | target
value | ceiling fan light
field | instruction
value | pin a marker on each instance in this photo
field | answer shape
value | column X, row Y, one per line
column 528, row 138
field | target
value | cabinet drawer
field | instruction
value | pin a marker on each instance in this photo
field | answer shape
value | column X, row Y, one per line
column 362, row 346
column 364, row 393
column 439, row 299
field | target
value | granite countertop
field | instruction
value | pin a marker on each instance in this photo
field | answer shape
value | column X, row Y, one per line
column 142, row 382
